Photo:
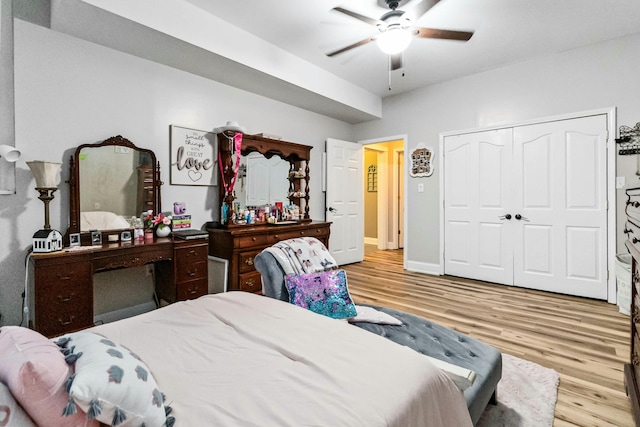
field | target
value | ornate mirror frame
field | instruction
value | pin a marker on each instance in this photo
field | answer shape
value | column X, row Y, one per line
column 298, row 156
column 75, row 184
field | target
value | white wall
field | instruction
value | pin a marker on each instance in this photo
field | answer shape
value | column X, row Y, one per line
column 70, row 92
column 599, row 76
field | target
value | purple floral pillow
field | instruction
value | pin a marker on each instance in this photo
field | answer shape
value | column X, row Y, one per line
column 323, row 293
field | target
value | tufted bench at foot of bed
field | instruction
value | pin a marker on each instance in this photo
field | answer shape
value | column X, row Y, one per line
column 450, row 346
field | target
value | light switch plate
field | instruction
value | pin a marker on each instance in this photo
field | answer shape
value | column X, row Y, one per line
column 420, row 188
column 620, row 181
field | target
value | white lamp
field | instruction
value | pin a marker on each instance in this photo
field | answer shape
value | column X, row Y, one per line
column 394, row 40
column 46, row 175
column 9, row 153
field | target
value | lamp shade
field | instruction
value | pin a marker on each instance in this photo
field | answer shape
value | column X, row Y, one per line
column 9, row 153
column 45, row 173
column 395, row 40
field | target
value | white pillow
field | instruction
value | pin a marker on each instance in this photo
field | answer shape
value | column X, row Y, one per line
column 371, row 315
column 111, row 384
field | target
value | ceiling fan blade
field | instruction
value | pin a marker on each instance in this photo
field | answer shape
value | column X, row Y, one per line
column 396, row 61
column 356, row 15
column 351, row 46
column 432, row 33
column 420, row 9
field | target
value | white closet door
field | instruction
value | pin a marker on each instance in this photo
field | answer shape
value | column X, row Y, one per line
column 478, row 193
column 560, row 178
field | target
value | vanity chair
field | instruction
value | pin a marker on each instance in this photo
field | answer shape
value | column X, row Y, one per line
column 420, row 334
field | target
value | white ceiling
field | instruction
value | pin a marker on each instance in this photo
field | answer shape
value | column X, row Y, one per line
column 277, row 48
column 506, row 31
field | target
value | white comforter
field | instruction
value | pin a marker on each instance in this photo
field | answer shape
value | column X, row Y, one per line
column 238, row 359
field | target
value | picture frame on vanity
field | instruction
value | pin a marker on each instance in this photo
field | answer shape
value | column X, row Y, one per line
column 96, row 237
column 125, row 236
column 74, row 239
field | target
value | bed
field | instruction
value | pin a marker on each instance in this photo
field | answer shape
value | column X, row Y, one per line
column 239, row 359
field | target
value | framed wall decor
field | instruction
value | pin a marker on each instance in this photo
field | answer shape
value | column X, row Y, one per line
column 421, row 161
column 194, row 157
column 74, row 239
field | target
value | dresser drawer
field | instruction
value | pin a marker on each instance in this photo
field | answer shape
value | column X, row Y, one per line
column 191, row 271
column 246, row 261
column 632, row 230
column 250, row 282
column 192, row 254
column 318, row 233
column 251, row 241
column 63, row 298
column 192, row 289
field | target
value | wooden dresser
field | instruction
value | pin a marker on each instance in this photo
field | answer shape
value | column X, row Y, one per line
column 632, row 369
column 240, row 245
column 62, row 286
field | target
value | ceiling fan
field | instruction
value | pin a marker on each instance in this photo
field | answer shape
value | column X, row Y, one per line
column 396, row 31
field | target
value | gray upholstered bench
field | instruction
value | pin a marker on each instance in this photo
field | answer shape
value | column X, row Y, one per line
column 421, row 335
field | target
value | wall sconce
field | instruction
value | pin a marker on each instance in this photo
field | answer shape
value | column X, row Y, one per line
column 45, row 173
column 9, row 153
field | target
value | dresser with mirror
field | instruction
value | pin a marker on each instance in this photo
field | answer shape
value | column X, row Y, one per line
column 276, row 173
column 110, row 183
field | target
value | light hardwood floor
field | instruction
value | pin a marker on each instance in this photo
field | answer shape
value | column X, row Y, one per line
column 585, row 341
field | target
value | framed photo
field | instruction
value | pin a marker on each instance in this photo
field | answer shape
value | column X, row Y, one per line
column 74, row 239
column 194, row 157
column 125, row 236
column 96, row 237
column 421, row 161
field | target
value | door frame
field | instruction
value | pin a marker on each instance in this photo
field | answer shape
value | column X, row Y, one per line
column 405, row 139
column 610, row 112
column 383, row 194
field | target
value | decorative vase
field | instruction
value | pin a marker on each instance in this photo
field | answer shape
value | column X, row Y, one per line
column 148, row 234
column 163, row 232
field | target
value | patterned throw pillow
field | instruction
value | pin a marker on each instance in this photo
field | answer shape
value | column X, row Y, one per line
column 111, row 384
column 323, row 293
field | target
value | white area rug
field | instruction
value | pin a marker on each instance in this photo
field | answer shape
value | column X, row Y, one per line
column 527, row 394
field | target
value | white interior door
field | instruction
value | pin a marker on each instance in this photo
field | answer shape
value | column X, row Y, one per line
column 344, row 201
column 561, row 197
column 478, row 241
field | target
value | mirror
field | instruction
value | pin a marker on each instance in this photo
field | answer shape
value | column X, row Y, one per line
column 111, row 182
column 262, row 180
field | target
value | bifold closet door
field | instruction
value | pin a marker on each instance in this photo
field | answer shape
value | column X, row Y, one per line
column 561, row 195
column 526, row 206
column 478, row 171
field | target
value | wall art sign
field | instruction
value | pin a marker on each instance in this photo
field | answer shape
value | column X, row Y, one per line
column 421, row 161
column 193, row 157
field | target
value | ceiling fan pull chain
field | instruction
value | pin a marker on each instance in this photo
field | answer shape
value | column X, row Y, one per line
column 389, row 68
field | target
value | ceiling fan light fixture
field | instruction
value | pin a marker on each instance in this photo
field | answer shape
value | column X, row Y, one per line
column 394, row 40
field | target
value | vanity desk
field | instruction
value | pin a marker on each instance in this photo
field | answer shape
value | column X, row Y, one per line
column 63, row 281
column 110, row 182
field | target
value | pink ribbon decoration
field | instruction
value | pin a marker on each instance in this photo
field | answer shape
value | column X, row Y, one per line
column 237, row 147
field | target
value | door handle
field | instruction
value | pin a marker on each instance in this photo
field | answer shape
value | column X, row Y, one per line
column 331, row 209
column 507, row 216
column 520, row 217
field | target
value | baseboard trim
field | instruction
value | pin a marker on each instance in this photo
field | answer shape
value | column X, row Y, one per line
column 423, row 267
column 371, row 241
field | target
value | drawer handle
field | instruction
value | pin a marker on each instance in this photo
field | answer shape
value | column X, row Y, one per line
column 192, row 252
column 634, row 204
column 254, row 239
column 193, row 291
column 250, row 283
column 192, row 273
column 249, row 261
column 302, row 232
column 627, row 231
column 64, row 277
column 65, row 322
column 65, row 299
column 634, row 240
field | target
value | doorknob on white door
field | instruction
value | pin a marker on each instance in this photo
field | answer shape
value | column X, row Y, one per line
column 507, row 216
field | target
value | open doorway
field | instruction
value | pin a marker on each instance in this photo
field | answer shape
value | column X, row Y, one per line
column 383, row 183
